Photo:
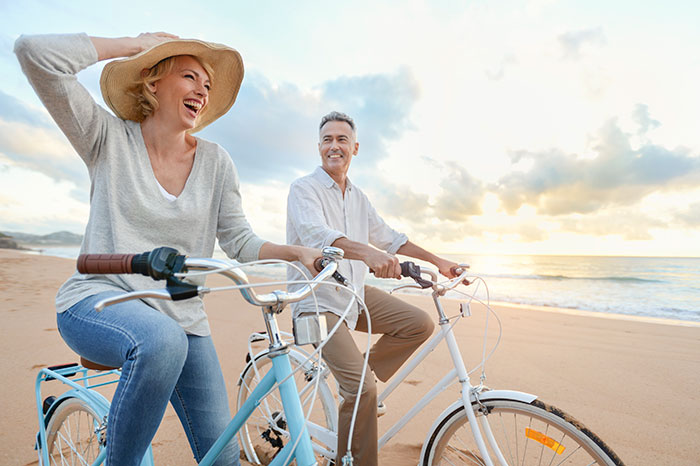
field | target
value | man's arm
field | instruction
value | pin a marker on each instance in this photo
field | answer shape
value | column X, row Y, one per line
column 381, row 264
column 413, row 250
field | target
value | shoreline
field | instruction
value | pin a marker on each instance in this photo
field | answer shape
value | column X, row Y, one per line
column 602, row 315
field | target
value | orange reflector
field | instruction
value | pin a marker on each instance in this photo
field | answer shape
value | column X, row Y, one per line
column 548, row 442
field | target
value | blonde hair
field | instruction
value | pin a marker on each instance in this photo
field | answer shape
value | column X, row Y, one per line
column 147, row 100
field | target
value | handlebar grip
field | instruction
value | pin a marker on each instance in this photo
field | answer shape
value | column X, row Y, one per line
column 319, row 264
column 105, row 263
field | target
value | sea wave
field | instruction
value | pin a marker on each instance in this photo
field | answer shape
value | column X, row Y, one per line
column 566, row 277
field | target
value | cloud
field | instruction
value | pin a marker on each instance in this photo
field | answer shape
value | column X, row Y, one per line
column 272, row 130
column 16, row 111
column 400, row 202
column 643, row 119
column 558, row 183
column 573, row 42
column 498, row 71
column 461, row 194
column 44, row 150
column 631, row 226
column 459, row 198
column 380, row 104
column 689, row 217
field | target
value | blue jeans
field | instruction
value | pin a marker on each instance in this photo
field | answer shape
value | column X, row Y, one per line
column 160, row 363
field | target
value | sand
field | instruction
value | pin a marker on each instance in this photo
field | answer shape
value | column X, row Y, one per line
column 634, row 382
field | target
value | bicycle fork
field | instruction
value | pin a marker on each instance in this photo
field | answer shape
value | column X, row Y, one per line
column 466, row 391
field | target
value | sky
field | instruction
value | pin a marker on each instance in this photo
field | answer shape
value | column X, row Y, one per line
column 498, row 127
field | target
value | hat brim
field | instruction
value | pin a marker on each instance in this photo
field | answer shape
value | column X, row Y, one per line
column 120, row 75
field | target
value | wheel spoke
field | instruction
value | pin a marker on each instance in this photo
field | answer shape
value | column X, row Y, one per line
column 72, row 436
column 264, row 420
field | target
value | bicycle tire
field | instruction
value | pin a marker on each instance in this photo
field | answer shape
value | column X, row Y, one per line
column 72, row 436
column 263, row 433
column 527, row 434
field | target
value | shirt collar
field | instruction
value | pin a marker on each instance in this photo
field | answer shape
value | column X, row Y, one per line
column 325, row 179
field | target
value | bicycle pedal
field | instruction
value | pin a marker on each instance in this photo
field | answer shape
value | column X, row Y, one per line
column 381, row 409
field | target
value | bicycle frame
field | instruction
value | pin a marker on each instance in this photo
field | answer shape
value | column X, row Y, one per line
column 292, row 407
column 469, row 393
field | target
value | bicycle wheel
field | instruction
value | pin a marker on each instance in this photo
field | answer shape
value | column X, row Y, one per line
column 265, row 432
column 527, row 434
column 72, row 434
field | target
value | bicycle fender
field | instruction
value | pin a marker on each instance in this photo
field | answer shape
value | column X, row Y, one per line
column 483, row 396
column 93, row 398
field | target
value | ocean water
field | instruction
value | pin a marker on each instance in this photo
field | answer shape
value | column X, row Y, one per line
column 660, row 287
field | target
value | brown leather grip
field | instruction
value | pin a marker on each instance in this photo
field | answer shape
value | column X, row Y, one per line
column 104, row 263
column 318, row 264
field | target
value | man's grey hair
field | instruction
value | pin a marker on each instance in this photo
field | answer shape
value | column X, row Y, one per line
column 338, row 116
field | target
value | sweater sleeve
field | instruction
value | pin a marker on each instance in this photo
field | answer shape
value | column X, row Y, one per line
column 51, row 63
column 235, row 235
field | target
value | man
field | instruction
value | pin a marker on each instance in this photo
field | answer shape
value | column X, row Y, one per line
column 324, row 209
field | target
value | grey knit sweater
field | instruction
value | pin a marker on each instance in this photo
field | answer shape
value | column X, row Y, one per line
column 128, row 214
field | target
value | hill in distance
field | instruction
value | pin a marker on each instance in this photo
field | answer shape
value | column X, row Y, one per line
column 59, row 238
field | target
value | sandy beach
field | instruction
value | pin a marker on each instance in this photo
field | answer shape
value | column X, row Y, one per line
column 635, row 383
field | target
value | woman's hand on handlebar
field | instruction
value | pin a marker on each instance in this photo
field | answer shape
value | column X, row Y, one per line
column 305, row 255
column 308, row 257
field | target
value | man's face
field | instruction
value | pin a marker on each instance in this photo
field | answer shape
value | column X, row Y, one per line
column 337, row 146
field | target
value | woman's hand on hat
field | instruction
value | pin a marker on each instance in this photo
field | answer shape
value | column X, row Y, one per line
column 146, row 40
column 127, row 46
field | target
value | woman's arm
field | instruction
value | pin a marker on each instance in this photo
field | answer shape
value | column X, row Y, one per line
column 51, row 63
column 305, row 255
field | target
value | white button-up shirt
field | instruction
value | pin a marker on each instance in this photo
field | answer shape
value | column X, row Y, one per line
column 317, row 215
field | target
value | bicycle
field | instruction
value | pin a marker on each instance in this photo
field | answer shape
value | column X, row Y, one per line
column 72, row 425
column 483, row 427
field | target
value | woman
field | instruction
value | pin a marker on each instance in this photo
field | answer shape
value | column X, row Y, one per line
column 152, row 184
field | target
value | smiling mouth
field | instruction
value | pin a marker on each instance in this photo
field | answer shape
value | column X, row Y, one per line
column 335, row 156
column 193, row 106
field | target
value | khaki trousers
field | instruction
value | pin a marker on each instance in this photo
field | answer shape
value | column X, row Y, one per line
column 404, row 328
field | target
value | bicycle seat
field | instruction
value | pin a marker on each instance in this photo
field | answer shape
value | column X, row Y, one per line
column 86, row 363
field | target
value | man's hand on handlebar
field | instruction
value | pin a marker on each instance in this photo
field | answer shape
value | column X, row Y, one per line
column 449, row 269
column 383, row 265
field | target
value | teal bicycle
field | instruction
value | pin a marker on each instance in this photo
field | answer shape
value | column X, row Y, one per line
column 72, row 425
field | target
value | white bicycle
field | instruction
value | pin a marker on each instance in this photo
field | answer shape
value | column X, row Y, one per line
column 483, row 427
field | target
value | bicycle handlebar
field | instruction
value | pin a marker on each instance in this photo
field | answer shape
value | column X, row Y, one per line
column 411, row 270
column 158, row 264
column 166, row 262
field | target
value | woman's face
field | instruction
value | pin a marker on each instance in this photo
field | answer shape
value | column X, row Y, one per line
column 183, row 93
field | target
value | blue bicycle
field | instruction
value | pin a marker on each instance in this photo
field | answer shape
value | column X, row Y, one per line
column 72, row 425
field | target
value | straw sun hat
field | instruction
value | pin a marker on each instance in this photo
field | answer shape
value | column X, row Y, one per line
column 120, row 75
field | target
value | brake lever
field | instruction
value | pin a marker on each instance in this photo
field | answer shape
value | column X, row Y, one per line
column 411, row 270
column 168, row 293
